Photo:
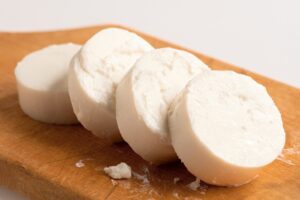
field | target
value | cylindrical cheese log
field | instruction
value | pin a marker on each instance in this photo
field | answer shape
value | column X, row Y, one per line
column 143, row 98
column 95, row 72
column 42, row 80
column 225, row 128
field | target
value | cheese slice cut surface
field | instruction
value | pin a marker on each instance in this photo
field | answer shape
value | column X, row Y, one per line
column 225, row 128
column 143, row 98
column 95, row 73
column 42, row 80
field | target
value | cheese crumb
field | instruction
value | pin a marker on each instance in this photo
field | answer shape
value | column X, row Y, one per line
column 79, row 164
column 120, row 171
column 194, row 185
column 143, row 178
column 295, row 149
column 114, row 182
column 175, row 180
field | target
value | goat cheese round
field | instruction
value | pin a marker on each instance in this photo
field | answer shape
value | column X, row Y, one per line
column 95, row 72
column 143, row 98
column 42, row 81
column 225, row 127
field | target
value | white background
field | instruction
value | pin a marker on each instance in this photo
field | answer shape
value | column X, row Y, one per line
column 262, row 36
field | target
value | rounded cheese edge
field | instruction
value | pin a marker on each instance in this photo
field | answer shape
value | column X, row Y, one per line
column 46, row 105
column 100, row 65
column 88, row 112
column 198, row 159
column 127, row 118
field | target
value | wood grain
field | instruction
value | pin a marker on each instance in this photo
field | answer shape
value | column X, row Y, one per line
column 38, row 159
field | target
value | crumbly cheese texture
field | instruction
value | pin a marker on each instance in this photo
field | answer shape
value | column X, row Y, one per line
column 120, row 171
column 42, row 80
column 95, row 73
column 144, row 96
column 230, row 123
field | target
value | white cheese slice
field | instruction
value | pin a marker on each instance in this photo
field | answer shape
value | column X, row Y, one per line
column 143, row 98
column 225, row 127
column 42, row 80
column 119, row 171
column 95, row 72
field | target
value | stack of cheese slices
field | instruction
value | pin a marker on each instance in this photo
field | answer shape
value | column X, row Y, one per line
column 163, row 102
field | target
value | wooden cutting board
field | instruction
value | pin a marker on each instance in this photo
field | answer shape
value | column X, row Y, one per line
column 40, row 159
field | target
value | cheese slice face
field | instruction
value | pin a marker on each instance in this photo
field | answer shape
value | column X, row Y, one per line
column 143, row 98
column 95, row 72
column 42, row 80
column 225, row 127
